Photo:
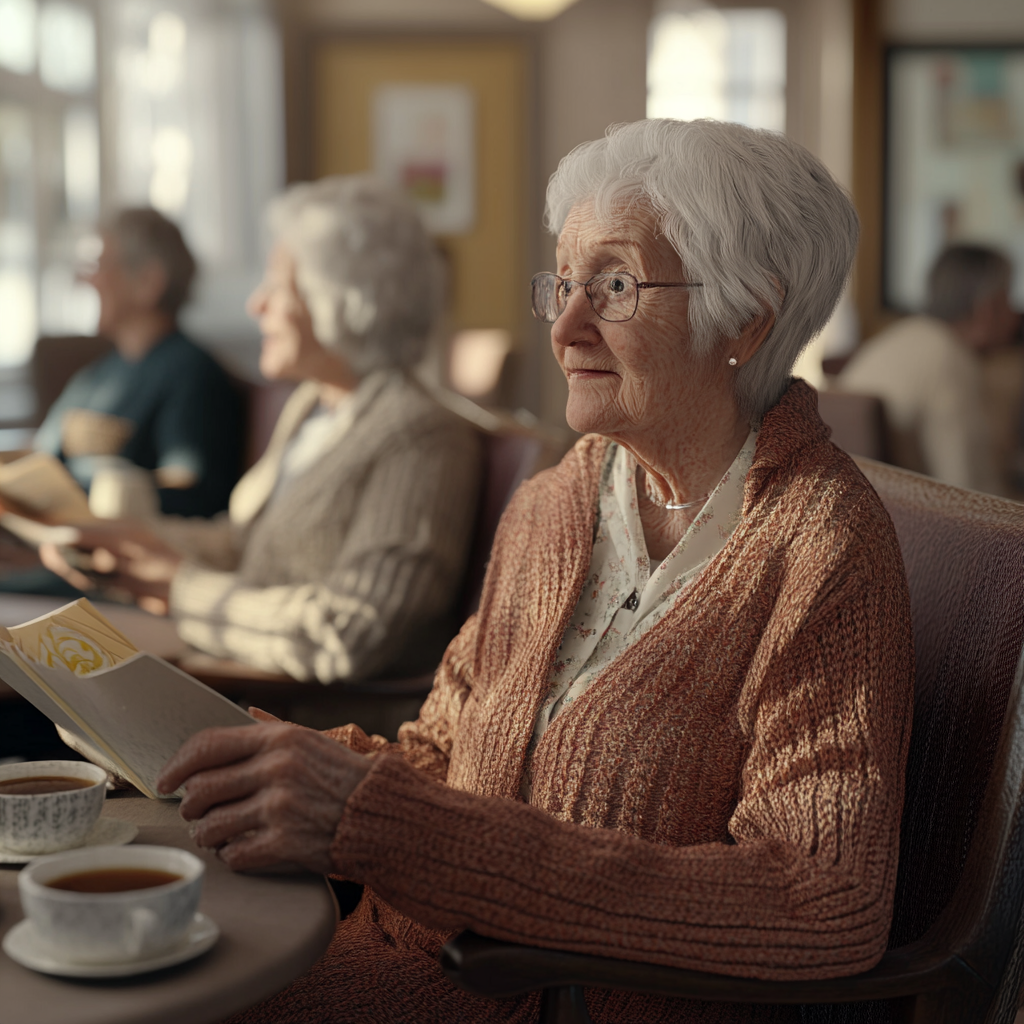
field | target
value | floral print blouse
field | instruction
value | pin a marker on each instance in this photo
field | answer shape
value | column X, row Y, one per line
column 622, row 598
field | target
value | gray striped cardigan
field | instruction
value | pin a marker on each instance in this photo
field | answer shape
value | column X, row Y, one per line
column 352, row 570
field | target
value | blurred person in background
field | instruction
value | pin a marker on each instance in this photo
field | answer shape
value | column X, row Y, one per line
column 928, row 371
column 158, row 401
column 343, row 550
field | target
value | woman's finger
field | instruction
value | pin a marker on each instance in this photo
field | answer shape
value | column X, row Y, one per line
column 211, row 748
column 218, row 786
column 227, row 822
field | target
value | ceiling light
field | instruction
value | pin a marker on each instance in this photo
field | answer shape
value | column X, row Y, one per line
column 532, row 10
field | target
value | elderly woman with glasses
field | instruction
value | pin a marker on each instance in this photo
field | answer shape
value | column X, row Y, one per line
column 676, row 728
column 343, row 551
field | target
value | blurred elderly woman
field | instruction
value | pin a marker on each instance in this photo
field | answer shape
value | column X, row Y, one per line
column 676, row 728
column 344, row 547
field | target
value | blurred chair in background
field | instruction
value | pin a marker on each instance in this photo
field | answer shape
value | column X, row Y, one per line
column 157, row 401
column 927, row 370
column 857, row 423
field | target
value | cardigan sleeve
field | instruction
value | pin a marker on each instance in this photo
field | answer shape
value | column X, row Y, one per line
column 399, row 564
column 804, row 890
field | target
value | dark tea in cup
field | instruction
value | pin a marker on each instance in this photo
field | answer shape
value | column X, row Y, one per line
column 114, row 880
column 32, row 785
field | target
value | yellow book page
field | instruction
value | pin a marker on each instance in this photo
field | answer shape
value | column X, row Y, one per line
column 76, row 637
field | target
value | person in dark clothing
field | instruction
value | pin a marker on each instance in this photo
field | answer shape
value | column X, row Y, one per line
column 158, row 400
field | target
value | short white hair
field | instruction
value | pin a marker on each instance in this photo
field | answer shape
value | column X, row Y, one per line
column 366, row 267
column 752, row 215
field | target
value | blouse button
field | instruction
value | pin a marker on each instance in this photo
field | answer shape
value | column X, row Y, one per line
column 632, row 602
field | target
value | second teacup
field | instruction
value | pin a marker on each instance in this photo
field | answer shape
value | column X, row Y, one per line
column 53, row 808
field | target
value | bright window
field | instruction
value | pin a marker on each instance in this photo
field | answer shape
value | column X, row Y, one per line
column 729, row 64
column 184, row 114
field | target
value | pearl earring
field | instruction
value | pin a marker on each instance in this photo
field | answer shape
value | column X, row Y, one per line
column 732, row 360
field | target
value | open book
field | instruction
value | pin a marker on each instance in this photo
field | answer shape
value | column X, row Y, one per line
column 40, row 500
column 128, row 711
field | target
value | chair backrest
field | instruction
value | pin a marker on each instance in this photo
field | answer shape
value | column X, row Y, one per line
column 263, row 402
column 56, row 360
column 964, row 556
column 857, row 422
column 509, row 459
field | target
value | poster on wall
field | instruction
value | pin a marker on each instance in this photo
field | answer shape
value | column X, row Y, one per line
column 954, row 160
column 424, row 144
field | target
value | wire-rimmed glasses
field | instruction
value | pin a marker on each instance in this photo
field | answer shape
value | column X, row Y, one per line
column 614, row 297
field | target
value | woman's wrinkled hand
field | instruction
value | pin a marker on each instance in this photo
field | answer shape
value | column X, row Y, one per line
column 265, row 794
column 129, row 557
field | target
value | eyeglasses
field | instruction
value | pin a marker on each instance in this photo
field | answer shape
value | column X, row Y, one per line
column 613, row 297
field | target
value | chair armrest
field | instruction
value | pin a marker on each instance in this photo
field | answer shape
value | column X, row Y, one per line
column 489, row 967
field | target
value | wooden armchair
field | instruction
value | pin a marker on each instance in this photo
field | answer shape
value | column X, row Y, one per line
column 957, row 938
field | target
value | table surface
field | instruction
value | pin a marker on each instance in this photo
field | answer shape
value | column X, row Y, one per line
column 273, row 929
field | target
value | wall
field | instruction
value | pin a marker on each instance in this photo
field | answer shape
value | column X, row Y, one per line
column 927, row 21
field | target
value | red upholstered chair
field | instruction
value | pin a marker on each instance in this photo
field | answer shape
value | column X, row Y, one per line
column 957, row 939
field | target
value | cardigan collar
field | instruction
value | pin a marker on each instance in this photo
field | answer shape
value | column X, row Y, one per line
column 789, row 429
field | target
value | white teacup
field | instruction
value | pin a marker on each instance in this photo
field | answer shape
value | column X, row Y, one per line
column 112, row 927
column 48, row 822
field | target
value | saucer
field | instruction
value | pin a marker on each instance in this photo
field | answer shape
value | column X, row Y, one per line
column 23, row 945
column 106, row 832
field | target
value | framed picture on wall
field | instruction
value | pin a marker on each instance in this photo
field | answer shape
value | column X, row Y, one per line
column 954, row 163
column 445, row 119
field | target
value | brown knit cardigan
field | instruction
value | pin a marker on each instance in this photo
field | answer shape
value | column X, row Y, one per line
column 725, row 797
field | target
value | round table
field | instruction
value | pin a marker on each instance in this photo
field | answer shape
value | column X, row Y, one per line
column 273, row 928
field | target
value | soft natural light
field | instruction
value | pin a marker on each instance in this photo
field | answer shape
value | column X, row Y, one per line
column 18, row 324
column 67, row 47
column 726, row 64
column 82, row 164
column 18, row 35
column 476, row 360
column 172, row 170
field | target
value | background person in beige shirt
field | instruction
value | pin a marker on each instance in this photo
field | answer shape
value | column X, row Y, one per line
column 928, row 371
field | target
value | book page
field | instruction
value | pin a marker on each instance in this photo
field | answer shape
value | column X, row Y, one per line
column 35, row 533
column 39, row 485
column 87, row 677
column 143, row 709
column 22, row 677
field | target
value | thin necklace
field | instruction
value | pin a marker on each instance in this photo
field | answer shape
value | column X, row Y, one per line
column 671, row 506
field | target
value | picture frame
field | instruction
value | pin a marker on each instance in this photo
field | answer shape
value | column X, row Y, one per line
column 371, row 94
column 954, row 161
